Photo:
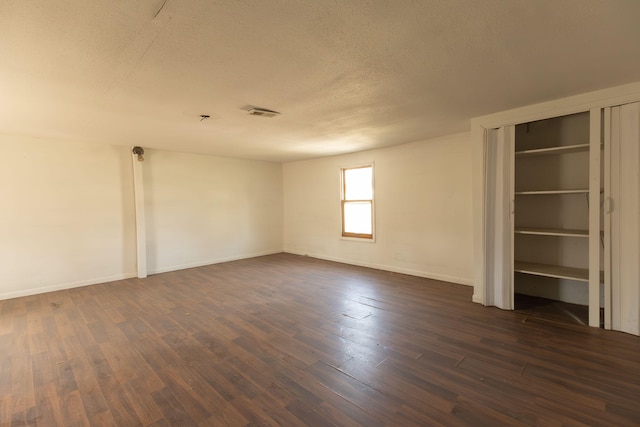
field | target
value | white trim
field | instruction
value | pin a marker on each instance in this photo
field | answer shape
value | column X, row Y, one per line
column 508, row 295
column 211, row 262
column 384, row 267
column 614, row 220
column 595, row 141
column 607, row 217
column 63, row 286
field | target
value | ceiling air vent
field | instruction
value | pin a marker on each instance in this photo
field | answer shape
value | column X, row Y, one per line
column 257, row 111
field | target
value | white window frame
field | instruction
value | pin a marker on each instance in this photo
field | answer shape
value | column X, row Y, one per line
column 356, row 236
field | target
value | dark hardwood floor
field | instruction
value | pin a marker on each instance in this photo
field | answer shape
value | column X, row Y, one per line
column 287, row 340
column 557, row 311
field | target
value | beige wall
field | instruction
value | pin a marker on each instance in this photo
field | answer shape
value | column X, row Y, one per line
column 67, row 215
column 422, row 209
column 68, row 211
column 68, row 218
column 204, row 209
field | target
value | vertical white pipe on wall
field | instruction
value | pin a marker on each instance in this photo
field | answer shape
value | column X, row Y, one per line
column 141, row 239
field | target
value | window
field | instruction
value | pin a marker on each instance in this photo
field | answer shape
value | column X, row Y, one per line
column 357, row 202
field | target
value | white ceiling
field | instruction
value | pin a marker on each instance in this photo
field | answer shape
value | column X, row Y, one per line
column 346, row 75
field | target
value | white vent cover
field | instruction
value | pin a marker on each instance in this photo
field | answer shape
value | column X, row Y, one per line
column 257, row 111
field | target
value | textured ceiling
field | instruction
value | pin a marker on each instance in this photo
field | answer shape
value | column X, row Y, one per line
column 346, row 75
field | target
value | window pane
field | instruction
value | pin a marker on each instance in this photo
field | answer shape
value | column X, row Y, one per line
column 357, row 217
column 358, row 184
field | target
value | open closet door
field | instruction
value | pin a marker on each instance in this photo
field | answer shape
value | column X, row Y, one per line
column 498, row 217
column 622, row 216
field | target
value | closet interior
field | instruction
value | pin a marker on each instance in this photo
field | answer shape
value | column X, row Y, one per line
column 552, row 228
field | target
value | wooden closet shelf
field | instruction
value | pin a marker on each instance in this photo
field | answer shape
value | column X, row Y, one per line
column 553, row 150
column 536, row 192
column 557, row 271
column 552, row 232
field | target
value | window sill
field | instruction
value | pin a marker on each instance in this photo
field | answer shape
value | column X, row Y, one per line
column 359, row 239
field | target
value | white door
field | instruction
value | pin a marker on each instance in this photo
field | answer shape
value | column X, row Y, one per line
column 622, row 217
column 498, row 217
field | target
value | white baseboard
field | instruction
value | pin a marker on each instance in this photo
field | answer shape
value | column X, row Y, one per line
column 411, row 272
column 210, row 262
column 95, row 281
column 63, row 286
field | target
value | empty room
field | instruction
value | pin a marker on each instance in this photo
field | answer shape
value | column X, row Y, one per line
column 319, row 213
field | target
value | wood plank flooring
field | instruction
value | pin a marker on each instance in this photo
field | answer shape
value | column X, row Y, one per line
column 557, row 311
column 285, row 340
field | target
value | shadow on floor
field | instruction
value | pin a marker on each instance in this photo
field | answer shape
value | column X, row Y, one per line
column 557, row 311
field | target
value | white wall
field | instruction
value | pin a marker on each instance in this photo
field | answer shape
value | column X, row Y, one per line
column 423, row 209
column 204, row 209
column 67, row 215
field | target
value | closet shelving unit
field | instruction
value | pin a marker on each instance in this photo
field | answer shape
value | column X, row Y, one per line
column 551, row 207
column 556, row 207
